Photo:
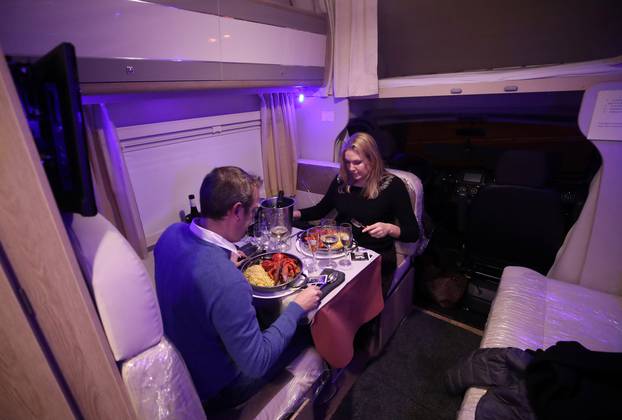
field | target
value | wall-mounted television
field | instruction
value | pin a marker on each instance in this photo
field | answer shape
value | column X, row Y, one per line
column 49, row 90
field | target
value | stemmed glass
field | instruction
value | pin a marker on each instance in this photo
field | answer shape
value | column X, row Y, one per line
column 329, row 238
column 261, row 232
column 313, row 242
column 279, row 229
column 345, row 234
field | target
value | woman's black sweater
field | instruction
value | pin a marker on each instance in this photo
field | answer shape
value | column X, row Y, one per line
column 392, row 205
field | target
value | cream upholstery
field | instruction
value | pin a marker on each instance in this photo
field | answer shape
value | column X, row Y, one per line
column 415, row 191
column 531, row 311
column 154, row 373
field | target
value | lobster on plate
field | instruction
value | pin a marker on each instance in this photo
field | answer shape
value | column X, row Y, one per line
column 281, row 268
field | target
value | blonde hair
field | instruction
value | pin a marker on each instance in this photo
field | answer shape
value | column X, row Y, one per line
column 365, row 145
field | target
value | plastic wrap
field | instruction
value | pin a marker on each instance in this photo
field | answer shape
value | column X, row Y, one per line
column 160, row 386
column 306, row 369
column 531, row 311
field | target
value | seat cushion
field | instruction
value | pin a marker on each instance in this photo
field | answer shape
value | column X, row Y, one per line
column 306, row 371
column 160, row 386
column 531, row 311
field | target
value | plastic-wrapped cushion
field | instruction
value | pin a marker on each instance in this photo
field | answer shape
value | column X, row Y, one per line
column 415, row 192
column 159, row 385
column 122, row 289
column 306, row 369
column 531, row 311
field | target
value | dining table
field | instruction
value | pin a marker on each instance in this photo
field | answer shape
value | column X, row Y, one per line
column 342, row 311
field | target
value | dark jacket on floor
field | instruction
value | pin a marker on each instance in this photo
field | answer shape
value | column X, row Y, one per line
column 566, row 381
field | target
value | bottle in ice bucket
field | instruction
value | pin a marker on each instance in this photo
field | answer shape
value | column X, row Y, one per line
column 194, row 212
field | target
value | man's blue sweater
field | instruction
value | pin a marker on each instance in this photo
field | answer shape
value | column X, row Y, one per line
column 207, row 311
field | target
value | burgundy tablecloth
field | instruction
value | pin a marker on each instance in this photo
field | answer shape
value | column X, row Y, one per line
column 335, row 324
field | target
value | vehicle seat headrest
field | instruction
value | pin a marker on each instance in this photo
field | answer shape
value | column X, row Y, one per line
column 527, row 168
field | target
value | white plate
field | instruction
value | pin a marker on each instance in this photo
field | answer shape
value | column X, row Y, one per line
column 322, row 255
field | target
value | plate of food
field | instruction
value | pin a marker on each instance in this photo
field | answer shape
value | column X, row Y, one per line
column 272, row 271
column 331, row 242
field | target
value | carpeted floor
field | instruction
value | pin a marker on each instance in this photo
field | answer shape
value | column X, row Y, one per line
column 406, row 381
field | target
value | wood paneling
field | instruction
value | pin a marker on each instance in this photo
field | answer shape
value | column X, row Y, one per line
column 38, row 250
column 28, row 388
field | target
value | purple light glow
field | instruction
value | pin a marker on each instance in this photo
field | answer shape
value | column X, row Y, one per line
column 301, row 97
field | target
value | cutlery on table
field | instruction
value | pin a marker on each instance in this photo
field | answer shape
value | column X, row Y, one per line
column 356, row 223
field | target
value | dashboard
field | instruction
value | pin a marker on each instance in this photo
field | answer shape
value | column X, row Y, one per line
column 462, row 184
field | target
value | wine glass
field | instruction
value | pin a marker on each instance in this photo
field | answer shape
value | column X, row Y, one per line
column 329, row 238
column 345, row 235
column 313, row 243
column 278, row 229
column 261, row 232
column 327, row 221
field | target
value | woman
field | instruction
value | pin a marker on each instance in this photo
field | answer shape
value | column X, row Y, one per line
column 363, row 190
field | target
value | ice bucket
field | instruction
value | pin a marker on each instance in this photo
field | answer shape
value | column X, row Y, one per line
column 278, row 213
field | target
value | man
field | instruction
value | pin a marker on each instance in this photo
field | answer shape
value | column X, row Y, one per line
column 206, row 302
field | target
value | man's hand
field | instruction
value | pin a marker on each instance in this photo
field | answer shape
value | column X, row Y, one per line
column 309, row 298
column 237, row 257
column 380, row 230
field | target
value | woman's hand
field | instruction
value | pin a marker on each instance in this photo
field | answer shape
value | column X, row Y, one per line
column 309, row 298
column 296, row 214
column 380, row 230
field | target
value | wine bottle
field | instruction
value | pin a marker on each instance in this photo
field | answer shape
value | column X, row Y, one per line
column 194, row 212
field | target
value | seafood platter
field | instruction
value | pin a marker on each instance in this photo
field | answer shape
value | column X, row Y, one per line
column 272, row 271
column 333, row 248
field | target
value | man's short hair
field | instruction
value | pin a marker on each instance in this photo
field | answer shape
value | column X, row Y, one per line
column 225, row 186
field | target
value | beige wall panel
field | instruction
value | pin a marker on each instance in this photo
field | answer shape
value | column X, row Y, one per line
column 37, row 247
column 28, row 388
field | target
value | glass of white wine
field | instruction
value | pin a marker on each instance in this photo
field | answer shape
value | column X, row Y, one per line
column 329, row 238
column 345, row 235
column 278, row 232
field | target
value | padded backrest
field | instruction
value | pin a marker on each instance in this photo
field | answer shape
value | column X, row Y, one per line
column 122, row 289
column 516, row 226
column 415, row 191
column 527, row 168
column 155, row 375
column 518, row 223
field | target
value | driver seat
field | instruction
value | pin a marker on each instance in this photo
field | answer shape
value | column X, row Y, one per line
column 518, row 220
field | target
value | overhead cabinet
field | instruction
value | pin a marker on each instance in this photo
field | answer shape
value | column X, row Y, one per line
column 120, row 41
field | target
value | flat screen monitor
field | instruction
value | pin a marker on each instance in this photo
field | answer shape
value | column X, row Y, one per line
column 50, row 94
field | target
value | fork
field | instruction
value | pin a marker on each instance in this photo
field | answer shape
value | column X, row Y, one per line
column 356, row 223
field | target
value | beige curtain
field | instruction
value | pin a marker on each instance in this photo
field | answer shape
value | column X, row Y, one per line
column 113, row 190
column 278, row 143
column 355, row 47
column 328, row 6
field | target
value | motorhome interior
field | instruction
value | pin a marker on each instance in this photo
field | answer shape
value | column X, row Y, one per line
column 504, row 125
